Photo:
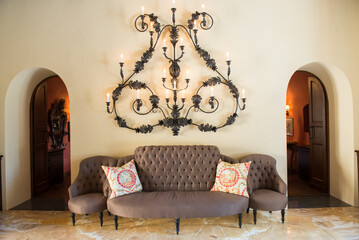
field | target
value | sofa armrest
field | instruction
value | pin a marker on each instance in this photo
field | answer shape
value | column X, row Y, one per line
column 106, row 189
column 280, row 185
column 74, row 189
column 263, row 174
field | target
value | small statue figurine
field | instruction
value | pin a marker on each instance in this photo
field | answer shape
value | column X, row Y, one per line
column 57, row 120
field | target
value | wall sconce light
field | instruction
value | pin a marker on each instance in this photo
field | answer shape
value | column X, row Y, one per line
column 175, row 115
column 287, row 110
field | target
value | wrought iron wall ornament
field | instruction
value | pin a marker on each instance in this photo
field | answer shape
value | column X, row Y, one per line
column 175, row 119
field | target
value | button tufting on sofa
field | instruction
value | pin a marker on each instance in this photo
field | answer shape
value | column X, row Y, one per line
column 267, row 190
column 190, row 184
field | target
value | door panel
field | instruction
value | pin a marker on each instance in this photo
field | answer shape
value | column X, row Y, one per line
column 39, row 171
column 1, row 156
column 319, row 167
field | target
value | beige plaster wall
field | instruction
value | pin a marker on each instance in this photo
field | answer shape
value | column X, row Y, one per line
column 17, row 134
column 268, row 41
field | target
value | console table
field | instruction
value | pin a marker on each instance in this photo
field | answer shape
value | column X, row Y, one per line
column 303, row 162
column 357, row 152
column 56, row 166
column 1, row 156
column 293, row 146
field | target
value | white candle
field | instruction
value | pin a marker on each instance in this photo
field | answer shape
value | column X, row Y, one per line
column 167, row 94
column 227, row 56
column 187, row 74
column 195, row 24
column 164, row 73
column 212, row 92
column 164, row 42
column 174, row 3
column 174, row 85
column 108, row 97
column 243, row 93
column 143, row 10
column 121, row 58
column 183, row 93
column 138, row 93
column 151, row 26
column 203, row 8
column 181, row 41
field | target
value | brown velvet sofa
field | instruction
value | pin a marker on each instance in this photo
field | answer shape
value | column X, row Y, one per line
column 176, row 183
column 86, row 192
column 266, row 189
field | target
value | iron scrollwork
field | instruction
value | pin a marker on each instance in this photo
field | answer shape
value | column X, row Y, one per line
column 175, row 119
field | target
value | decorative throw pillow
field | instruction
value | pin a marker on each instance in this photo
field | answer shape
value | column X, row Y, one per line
column 123, row 180
column 232, row 178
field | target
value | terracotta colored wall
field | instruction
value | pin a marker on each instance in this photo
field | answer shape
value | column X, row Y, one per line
column 297, row 98
column 57, row 90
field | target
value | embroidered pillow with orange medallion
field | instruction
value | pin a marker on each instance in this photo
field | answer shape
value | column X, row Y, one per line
column 232, row 178
column 123, row 180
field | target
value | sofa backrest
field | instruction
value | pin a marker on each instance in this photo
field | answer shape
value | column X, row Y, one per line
column 263, row 174
column 177, row 168
column 91, row 176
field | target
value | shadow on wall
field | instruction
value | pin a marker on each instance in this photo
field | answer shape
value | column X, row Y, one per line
column 17, row 169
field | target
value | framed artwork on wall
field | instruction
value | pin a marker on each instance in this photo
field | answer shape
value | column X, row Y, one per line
column 290, row 128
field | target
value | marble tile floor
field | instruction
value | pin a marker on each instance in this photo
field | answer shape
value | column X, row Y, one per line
column 314, row 223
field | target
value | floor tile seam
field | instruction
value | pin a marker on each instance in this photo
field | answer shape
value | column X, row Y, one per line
column 329, row 233
column 249, row 233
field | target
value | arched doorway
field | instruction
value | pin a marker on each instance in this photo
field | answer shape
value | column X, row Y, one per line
column 17, row 156
column 342, row 173
column 307, row 135
column 50, row 142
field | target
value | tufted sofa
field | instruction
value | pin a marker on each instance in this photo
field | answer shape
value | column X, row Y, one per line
column 266, row 189
column 86, row 192
column 176, row 183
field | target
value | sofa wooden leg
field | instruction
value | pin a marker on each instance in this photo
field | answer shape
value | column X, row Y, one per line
column 101, row 218
column 73, row 219
column 283, row 214
column 177, row 221
column 255, row 216
column 247, row 210
column 116, row 221
column 240, row 220
column 270, row 211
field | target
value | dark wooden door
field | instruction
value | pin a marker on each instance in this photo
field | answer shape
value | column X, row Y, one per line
column 318, row 134
column 0, row 185
column 40, row 182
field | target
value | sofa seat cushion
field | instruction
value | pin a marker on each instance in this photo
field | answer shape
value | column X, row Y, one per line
column 267, row 200
column 87, row 203
column 177, row 204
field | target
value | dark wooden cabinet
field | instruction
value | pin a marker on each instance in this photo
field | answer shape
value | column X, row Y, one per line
column 0, row 185
column 303, row 162
column 357, row 151
column 56, row 166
